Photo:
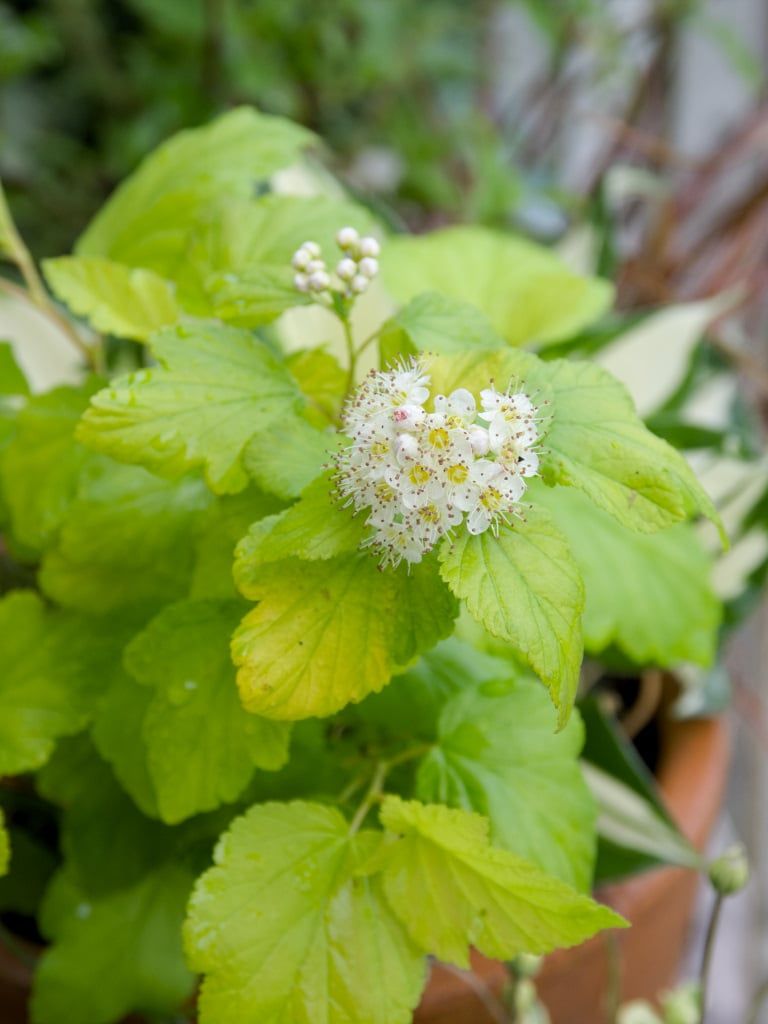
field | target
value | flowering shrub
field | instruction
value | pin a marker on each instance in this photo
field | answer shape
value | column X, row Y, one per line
column 287, row 582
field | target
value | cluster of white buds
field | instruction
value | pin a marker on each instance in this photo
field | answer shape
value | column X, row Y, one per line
column 359, row 265
column 311, row 272
column 355, row 270
column 421, row 474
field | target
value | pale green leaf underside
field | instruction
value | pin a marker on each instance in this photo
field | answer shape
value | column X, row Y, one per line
column 146, row 223
column 530, row 296
column 215, row 388
column 116, row 954
column 453, row 890
column 523, row 586
column 285, row 929
column 202, row 747
column 649, row 595
column 497, row 753
column 327, row 633
column 116, row 299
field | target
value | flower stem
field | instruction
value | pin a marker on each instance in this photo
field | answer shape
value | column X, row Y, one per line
column 351, row 355
column 372, row 795
column 12, row 246
column 709, row 949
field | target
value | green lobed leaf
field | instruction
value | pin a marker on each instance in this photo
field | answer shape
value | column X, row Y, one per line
column 315, row 527
column 114, row 954
column 285, row 457
column 41, row 465
column 53, row 667
column 128, row 302
column 453, row 890
column 202, row 747
column 288, row 926
column 327, row 633
column 215, row 388
column 530, row 296
column 223, row 525
column 12, row 379
column 436, row 323
column 32, row 863
column 649, row 595
column 146, row 223
column 524, row 587
column 126, row 541
column 497, row 753
column 322, row 380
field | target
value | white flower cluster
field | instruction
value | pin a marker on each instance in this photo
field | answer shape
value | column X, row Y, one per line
column 421, row 474
column 355, row 270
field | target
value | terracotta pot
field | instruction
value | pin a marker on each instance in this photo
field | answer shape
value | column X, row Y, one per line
column 692, row 774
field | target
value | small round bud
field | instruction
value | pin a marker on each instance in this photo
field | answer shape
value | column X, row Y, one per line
column 301, row 282
column 369, row 246
column 406, row 447
column 346, row 269
column 314, row 266
column 358, row 283
column 369, row 267
column 480, row 440
column 730, row 872
column 300, row 259
column 347, row 238
column 683, row 1005
column 319, row 281
column 526, row 965
column 312, row 248
column 638, row 1012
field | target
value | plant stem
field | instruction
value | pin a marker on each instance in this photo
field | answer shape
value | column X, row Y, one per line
column 372, row 795
column 613, row 992
column 351, row 355
column 709, row 949
column 369, row 340
column 12, row 245
column 757, row 1004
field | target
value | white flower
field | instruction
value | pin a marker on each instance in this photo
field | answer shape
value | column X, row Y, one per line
column 422, row 475
column 497, row 491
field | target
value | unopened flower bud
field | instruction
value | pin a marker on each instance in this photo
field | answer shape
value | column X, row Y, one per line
column 358, row 284
column 683, row 1005
column 638, row 1012
column 319, row 281
column 408, row 417
column 312, row 248
column 526, row 965
column 406, row 447
column 480, row 441
column 730, row 872
column 300, row 259
column 314, row 266
column 369, row 247
column 301, row 282
column 346, row 269
column 346, row 238
column 369, row 267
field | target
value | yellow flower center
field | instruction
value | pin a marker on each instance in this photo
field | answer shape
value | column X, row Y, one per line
column 383, row 491
column 379, row 449
column 492, row 499
column 457, row 474
column 418, row 475
column 429, row 514
column 439, row 437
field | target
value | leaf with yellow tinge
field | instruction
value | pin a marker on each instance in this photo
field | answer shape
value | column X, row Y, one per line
column 214, row 390
column 288, row 927
column 524, row 587
column 327, row 633
column 126, row 301
column 452, row 889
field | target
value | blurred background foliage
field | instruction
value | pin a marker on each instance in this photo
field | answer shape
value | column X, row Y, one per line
column 416, row 100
